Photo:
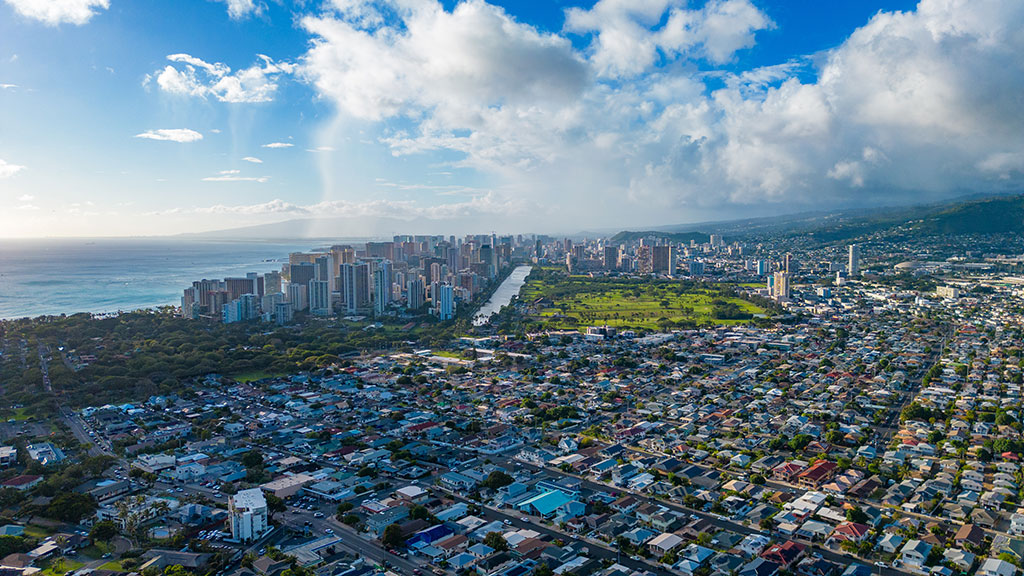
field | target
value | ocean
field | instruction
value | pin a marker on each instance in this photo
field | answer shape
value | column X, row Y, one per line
column 66, row 276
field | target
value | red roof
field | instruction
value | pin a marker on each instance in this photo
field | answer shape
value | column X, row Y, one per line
column 784, row 554
column 21, row 480
column 819, row 470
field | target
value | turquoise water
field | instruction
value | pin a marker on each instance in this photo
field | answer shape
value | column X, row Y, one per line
column 63, row 276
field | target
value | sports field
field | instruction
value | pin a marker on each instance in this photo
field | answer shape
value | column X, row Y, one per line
column 574, row 302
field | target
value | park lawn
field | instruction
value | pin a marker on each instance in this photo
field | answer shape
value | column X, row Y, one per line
column 246, row 377
column 61, row 566
column 446, row 354
column 37, row 532
column 579, row 301
column 96, row 550
column 18, row 415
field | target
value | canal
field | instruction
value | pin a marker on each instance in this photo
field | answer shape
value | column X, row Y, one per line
column 503, row 295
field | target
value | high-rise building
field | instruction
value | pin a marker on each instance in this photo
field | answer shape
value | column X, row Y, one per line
column 320, row 301
column 269, row 301
column 611, row 257
column 272, row 282
column 414, row 294
column 380, row 250
column 302, row 273
column 247, row 515
column 298, row 296
column 762, row 267
column 664, row 259
column 853, row 266
column 283, row 313
column 445, row 304
column 238, row 286
column 780, row 286
column 382, row 286
column 355, row 286
column 323, row 270
column 486, row 257
column 343, row 254
column 644, row 260
column 241, row 309
column 190, row 303
column 696, row 268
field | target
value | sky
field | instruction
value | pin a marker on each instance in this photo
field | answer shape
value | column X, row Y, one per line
column 120, row 117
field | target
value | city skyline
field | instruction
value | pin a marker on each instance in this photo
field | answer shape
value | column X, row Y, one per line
column 121, row 119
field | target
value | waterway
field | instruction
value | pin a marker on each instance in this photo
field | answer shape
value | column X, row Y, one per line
column 503, row 295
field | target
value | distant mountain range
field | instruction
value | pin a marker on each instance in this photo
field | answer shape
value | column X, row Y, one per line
column 993, row 214
column 341, row 227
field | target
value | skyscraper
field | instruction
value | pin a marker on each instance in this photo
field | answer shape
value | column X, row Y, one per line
column 445, row 302
column 611, row 257
column 355, row 286
column 486, row 257
column 414, row 294
column 780, row 287
column 298, row 296
column 320, row 302
column 302, row 273
column 382, row 286
column 272, row 282
column 853, row 266
column 664, row 259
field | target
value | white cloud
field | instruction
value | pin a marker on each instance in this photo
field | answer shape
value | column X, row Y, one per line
column 456, row 63
column 28, row 207
column 321, row 149
column 191, row 76
column 239, row 9
column 483, row 204
column 26, row 198
column 171, row 135
column 913, row 104
column 8, row 86
column 7, row 169
column 253, row 159
column 631, row 35
column 233, row 176
column 278, row 145
column 54, row 12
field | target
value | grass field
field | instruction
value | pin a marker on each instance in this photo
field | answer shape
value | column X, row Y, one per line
column 61, row 566
column 580, row 301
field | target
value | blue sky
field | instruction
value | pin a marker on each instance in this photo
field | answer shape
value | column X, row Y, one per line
column 138, row 118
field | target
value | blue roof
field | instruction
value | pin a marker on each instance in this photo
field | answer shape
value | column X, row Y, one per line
column 547, row 502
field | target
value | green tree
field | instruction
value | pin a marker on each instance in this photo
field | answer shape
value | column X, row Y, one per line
column 496, row 540
column 856, row 514
column 393, row 537
column 275, row 504
column 103, row 531
column 71, row 507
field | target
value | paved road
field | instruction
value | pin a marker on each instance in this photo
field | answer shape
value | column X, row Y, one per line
column 596, row 550
column 719, row 522
column 351, row 540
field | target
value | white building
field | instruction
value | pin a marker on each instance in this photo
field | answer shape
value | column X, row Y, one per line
column 247, row 513
column 8, row 456
column 45, row 453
